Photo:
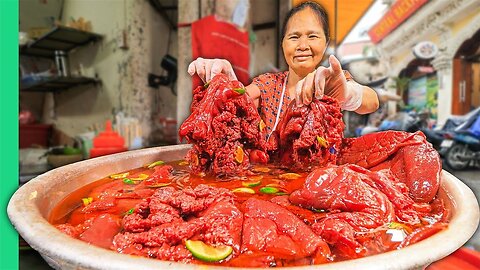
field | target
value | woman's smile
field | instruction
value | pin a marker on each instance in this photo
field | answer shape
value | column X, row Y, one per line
column 303, row 57
column 304, row 42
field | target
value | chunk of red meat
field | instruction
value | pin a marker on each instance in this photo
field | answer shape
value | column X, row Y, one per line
column 160, row 225
column 408, row 156
column 422, row 233
column 257, row 259
column 419, row 166
column 270, row 228
column 223, row 225
column 161, row 174
column 102, row 230
column 343, row 189
column 311, row 135
column 353, row 206
column 102, row 204
column 406, row 209
column 118, row 189
column 372, row 149
column 308, row 216
column 341, row 235
column 222, row 120
column 72, row 231
column 357, row 201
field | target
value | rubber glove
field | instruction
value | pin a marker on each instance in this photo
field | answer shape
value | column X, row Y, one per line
column 329, row 81
column 206, row 69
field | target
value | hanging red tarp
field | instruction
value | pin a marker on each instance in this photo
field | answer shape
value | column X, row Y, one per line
column 217, row 39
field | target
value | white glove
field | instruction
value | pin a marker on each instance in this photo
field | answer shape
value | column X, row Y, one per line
column 208, row 68
column 353, row 97
column 330, row 81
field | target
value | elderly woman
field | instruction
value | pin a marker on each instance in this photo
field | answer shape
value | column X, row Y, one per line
column 305, row 37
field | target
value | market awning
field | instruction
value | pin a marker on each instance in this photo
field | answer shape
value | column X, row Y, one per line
column 345, row 13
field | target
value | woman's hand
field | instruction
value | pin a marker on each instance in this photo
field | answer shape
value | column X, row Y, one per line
column 329, row 81
column 206, row 69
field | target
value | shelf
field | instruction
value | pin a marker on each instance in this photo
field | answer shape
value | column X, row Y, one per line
column 55, row 84
column 60, row 38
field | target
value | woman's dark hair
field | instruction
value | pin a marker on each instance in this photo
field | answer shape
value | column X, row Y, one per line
column 317, row 9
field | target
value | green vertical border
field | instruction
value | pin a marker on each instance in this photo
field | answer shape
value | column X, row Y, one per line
column 9, row 127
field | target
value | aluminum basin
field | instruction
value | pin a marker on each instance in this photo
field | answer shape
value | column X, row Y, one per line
column 32, row 203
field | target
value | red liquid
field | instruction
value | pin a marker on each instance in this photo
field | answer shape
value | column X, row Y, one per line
column 125, row 195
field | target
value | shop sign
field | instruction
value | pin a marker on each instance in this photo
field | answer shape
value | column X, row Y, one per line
column 399, row 12
column 425, row 50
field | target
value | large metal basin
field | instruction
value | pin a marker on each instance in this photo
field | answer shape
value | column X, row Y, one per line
column 32, row 203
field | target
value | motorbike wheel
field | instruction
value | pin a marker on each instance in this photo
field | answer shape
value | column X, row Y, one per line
column 452, row 157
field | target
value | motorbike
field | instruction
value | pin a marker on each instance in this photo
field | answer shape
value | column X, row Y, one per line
column 437, row 135
column 460, row 148
column 405, row 121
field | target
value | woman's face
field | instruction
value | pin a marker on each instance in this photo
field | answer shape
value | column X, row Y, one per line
column 304, row 42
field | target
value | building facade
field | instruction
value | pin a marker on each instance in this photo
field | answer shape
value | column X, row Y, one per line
column 451, row 77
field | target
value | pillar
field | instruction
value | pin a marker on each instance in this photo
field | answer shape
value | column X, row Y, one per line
column 188, row 12
column 443, row 64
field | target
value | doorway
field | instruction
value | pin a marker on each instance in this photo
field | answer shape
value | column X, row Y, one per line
column 466, row 76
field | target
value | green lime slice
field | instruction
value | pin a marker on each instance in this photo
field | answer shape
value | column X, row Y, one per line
column 241, row 91
column 244, row 190
column 289, row 176
column 156, row 163
column 269, row 190
column 128, row 181
column 119, row 175
column 158, row 185
column 251, row 183
column 400, row 226
column 207, row 253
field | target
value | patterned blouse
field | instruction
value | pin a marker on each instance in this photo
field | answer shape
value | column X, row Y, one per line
column 271, row 86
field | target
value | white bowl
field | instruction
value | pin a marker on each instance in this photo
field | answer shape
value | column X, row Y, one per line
column 31, row 205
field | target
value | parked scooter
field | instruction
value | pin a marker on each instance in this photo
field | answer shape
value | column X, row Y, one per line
column 436, row 136
column 461, row 147
column 405, row 121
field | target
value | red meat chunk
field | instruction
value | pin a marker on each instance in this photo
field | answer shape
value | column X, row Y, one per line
column 270, row 228
column 224, row 128
column 408, row 156
column 311, row 135
column 161, row 224
column 102, row 230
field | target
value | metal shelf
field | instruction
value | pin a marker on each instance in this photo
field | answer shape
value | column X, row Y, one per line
column 60, row 38
column 55, row 84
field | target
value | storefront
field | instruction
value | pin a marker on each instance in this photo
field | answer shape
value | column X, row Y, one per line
column 447, row 81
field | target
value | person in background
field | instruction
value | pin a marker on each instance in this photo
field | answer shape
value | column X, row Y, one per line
column 305, row 37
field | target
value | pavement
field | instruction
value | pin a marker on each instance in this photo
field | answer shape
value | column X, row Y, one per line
column 471, row 178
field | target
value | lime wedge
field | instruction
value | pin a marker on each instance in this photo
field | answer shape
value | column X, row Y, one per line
column 140, row 177
column 261, row 169
column 261, row 125
column 239, row 154
column 241, row 91
column 156, row 163
column 207, row 253
column 269, row 190
column 251, row 183
column 244, row 190
column 289, row 176
column 119, row 175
